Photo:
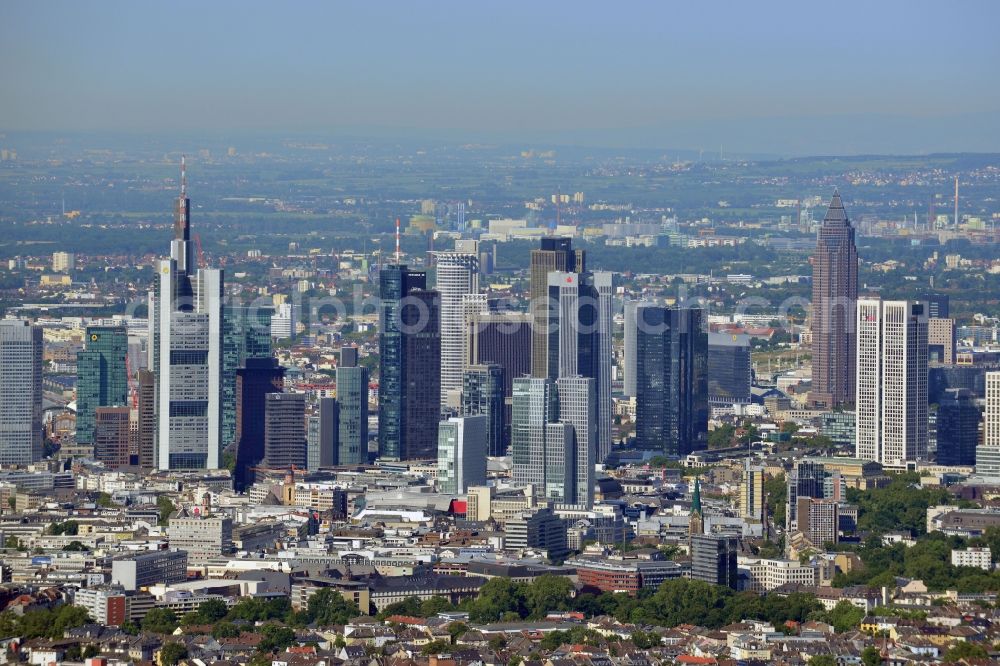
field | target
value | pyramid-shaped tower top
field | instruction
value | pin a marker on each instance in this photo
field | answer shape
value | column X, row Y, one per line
column 836, row 214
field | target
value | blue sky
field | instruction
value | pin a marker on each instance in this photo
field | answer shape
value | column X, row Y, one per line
column 780, row 77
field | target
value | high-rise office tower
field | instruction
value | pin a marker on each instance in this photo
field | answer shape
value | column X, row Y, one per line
column 988, row 453
column 461, row 453
column 246, row 333
column 410, row 365
column 629, row 346
column 457, row 275
column 671, row 381
column 957, row 428
column 260, row 377
column 483, row 393
column 577, row 396
column 285, row 430
column 322, row 432
column 891, row 402
column 938, row 305
column 729, row 369
column 580, row 338
column 352, row 400
column 20, row 392
column 553, row 254
column 111, row 436
column 818, row 520
column 535, row 404
column 713, row 559
column 504, row 339
column 835, row 292
column 808, row 479
column 101, row 376
column 185, row 320
column 752, row 492
column 146, row 431
column 941, row 340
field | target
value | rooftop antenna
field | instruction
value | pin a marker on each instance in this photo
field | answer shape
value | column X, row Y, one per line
column 397, row 241
column 184, row 178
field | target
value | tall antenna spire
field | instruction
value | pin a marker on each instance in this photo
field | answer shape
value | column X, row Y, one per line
column 184, row 178
column 956, row 201
column 397, row 241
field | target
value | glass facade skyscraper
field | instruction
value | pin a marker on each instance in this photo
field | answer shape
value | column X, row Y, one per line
column 483, row 393
column 410, row 365
column 352, row 399
column 671, row 380
column 246, row 333
column 101, row 376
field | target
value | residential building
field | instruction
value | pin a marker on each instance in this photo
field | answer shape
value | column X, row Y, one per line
column 980, row 558
column 63, row 262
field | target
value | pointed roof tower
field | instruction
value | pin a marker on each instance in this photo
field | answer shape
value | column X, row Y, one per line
column 835, row 214
column 696, row 497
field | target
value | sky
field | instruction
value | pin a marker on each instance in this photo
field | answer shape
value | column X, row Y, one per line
column 786, row 78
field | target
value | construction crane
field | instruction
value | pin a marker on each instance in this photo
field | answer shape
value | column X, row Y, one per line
column 201, row 255
column 133, row 390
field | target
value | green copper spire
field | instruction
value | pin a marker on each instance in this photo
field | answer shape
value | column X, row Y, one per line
column 696, row 498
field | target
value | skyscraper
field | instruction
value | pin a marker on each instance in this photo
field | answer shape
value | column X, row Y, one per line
column 752, row 492
column 246, row 333
column 671, row 381
column 553, row 254
column 20, row 392
column 629, row 345
column 146, row 431
column 186, row 352
column 410, row 365
column 988, row 453
column 941, row 340
column 457, row 275
column 891, row 410
column 834, row 295
column 461, row 453
column 285, row 430
column 504, row 339
column 729, row 369
column 577, row 396
column 352, row 400
column 260, row 377
column 101, row 376
column 957, row 428
column 322, row 433
column 111, row 436
column 808, row 479
column 580, row 338
column 713, row 559
column 534, row 405
column 483, row 393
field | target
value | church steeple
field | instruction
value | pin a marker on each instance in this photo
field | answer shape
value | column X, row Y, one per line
column 696, row 523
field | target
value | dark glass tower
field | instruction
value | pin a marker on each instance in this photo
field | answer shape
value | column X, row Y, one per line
column 834, row 299
column 957, row 428
column 729, row 369
column 101, row 376
column 352, row 399
column 483, row 393
column 671, row 380
column 253, row 383
column 410, row 365
column 246, row 333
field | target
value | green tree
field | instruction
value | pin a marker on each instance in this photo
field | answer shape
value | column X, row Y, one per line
column 275, row 637
column 165, row 508
column 67, row 617
column 776, row 492
column 225, row 630
column 845, row 616
column 327, row 606
column 822, row 660
column 456, row 630
column 410, row 607
column 965, row 650
column 870, row 656
column 172, row 653
column 498, row 597
column 547, row 593
column 439, row 646
column 434, row 605
column 208, row 612
column 160, row 621
column 104, row 501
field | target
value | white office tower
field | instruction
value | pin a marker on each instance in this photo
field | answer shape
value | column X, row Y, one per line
column 462, row 453
column 20, row 392
column 457, row 277
column 891, row 388
column 533, row 407
column 579, row 325
column 185, row 321
column 631, row 339
column 988, row 453
column 577, row 396
column 284, row 320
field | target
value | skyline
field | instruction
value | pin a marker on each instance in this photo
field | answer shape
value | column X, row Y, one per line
column 787, row 81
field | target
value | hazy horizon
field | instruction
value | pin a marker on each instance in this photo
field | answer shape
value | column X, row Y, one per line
column 781, row 79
